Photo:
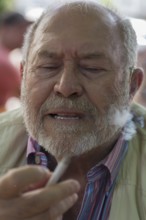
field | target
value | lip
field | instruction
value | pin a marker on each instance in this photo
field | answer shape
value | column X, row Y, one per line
column 65, row 114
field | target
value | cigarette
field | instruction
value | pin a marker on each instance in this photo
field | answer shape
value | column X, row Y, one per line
column 59, row 171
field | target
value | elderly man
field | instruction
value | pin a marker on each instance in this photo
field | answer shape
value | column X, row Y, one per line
column 79, row 79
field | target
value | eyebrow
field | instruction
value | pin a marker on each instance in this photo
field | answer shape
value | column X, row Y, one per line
column 83, row 56
column 47, row 54
column 95, row 55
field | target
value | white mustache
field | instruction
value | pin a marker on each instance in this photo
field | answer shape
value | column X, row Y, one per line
column 78, row 104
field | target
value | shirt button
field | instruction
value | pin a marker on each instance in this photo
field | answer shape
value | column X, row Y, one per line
column 37, row 159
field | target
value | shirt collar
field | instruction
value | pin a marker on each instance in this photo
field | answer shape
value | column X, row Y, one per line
column 113, row 160
column 32, row 146
column 110, row 163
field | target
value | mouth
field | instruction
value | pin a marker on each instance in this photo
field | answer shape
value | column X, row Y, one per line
column 63, row 116
column 67, row 114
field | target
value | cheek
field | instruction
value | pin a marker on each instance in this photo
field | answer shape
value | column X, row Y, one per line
column 38, row 91
column 122, row 88
column 102, row 94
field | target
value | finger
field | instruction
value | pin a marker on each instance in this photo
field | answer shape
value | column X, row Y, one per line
column 62, row 207
column 59, row 218
column 22, row 179
column 39, row 201
column 52, row 194
column 7, row 212
column 56, row 212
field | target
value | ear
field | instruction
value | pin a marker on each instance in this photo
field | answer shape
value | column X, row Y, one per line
column 21, row 69
column 135, row 81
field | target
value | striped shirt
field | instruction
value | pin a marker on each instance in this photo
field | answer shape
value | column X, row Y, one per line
column 101, row 180
column 102, row 177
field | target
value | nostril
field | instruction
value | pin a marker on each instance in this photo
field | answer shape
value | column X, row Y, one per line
column 68, row 89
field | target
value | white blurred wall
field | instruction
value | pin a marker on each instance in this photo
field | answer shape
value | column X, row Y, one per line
column 32, row 9
column 133, row 8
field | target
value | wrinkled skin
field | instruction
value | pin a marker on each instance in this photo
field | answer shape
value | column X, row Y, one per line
column 78, row 84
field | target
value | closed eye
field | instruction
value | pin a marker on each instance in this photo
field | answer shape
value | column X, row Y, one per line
column 94, row 70
column 48, row 70
column 50, row 67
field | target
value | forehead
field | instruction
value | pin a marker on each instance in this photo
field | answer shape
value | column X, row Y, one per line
column 79, row 18
column 73, row 28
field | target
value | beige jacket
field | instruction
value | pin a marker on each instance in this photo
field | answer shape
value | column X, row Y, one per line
column 13, row 140
column 129, row 198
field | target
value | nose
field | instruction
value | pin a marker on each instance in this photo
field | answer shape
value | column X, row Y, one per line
column 69, row 83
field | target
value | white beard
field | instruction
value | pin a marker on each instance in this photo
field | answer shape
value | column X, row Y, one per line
column 66, row 144
column 73, row 140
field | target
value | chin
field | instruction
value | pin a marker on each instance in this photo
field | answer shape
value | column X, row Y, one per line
column 64, row 144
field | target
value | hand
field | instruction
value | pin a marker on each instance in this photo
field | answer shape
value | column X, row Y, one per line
column 23, row 195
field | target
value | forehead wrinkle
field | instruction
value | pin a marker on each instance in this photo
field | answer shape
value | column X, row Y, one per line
column 47, row 54
column 54, row 55
column 72, row 55
column 85, row 56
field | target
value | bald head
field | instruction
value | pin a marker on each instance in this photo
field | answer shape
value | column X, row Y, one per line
column 120, row 32
column 75, row 12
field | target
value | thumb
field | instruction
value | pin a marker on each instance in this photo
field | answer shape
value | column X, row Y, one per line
column 20, row 180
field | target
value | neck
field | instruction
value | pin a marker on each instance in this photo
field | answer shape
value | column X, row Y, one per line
column 81, row 164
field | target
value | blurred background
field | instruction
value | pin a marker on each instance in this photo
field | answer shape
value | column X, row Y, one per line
column 30, row 10
column 135, row 9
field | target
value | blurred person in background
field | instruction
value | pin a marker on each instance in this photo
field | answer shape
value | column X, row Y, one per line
column 140, row 96
column 13, row 26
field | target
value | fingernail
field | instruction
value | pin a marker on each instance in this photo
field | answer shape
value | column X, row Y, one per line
column 74, row 197
column 75, row 184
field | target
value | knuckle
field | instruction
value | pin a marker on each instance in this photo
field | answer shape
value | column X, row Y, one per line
column 70, row 187
column 53, row 213
column 68, row 202
column 24, row 209
column 8, row 185
column 62, row 207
